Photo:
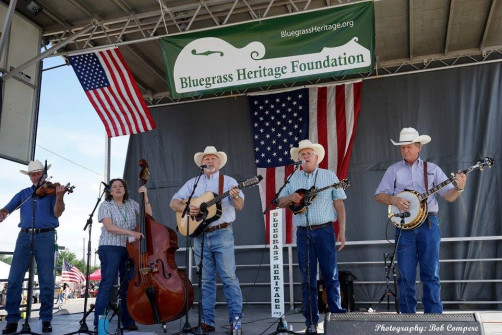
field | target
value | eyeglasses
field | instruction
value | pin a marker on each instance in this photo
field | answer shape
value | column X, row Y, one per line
column 306, row 154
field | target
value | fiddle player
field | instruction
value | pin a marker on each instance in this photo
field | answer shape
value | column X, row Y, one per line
column 218, row 237
column 118, row 216
column 48, row 209
column 420, row 245
column 327, row 207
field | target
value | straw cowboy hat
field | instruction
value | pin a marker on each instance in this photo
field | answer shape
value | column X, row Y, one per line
column 306, row 144
column 35, row 166
column 410, row 135
column 210, row 150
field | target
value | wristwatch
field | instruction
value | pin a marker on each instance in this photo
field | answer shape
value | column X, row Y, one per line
column 460, row 190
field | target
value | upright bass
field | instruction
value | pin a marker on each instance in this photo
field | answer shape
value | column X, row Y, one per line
column 157, row 292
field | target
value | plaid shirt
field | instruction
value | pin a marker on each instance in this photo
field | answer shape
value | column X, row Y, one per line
column 322, row 209
column 124, row 217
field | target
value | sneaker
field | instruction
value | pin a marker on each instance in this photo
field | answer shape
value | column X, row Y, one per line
column 46, row 327
column 10, row 328
column 207, row 328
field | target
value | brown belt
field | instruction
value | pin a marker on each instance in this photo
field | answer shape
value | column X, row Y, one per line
column 220, row 226
column 432, row 214
column 317, row 226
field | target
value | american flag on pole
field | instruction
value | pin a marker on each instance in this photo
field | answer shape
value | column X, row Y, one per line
column 325, row 115
column 113, row 92
column 71, row 274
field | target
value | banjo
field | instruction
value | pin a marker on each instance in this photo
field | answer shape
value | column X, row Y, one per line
column 418, row 209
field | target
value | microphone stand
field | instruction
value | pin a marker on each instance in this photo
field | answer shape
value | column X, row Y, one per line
column 187, row 328
column 31, row 268
column 274, row 201
column 392, row 265
column 83, row 323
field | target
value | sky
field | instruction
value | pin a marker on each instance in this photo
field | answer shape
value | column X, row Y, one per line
column 72, row 138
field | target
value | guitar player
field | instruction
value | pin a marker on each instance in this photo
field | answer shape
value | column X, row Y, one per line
column 420, row 245
column 218, row 254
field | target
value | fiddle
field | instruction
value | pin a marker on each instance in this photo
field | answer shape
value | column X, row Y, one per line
column 49, row 188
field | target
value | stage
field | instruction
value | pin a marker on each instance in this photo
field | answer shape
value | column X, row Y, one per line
column 257, row 321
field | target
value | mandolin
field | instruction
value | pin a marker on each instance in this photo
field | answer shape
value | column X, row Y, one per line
column 308, row 196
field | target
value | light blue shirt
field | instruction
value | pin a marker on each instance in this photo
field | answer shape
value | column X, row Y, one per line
column 211, row 184
column 124, row 217
column 402, row 176
column 321, row 210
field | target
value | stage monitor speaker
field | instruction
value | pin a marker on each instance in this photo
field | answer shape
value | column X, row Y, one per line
column 386, row 324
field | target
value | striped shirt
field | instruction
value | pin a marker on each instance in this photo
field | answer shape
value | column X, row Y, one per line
column 211, row 184
column 123, row 216
column 401, row 176
column 322, row 209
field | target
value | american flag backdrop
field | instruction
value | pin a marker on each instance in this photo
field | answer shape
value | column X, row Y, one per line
column 71, row 274
column 325, row 115
column 113, row 92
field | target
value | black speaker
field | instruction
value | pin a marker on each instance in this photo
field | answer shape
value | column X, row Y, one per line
column 346, row 279
column 424, row 324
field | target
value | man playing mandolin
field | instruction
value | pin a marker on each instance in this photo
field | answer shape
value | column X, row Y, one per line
column 420, row 245
column 319, row 216
column 218, row 254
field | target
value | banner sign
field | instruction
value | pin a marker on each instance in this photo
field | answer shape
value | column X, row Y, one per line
column 276, row 271
column 317, row 44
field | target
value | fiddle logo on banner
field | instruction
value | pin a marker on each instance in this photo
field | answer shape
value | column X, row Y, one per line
column 276, row 264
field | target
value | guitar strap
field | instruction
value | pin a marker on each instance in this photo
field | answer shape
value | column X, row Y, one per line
column 220, row 190
column 426, row 184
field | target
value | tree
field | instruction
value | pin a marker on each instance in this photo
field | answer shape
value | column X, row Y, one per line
column 6, row 259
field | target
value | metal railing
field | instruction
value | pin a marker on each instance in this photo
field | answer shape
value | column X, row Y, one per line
column 290, row 267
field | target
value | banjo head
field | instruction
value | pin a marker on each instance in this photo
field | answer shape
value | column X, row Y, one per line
column 416, row 210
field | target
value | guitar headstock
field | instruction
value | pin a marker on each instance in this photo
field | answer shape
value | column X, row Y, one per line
column 251, row 182
column 144, row 174
column 344, row 184
column 487, row 161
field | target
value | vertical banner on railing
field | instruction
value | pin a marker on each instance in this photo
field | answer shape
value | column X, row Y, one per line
column 276, row 273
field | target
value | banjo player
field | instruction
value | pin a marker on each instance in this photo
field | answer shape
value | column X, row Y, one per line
column 420, row 245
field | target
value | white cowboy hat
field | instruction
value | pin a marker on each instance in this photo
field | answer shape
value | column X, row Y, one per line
column 35, row 166
column 306, row 144
column 410, row 135
column 210, row 150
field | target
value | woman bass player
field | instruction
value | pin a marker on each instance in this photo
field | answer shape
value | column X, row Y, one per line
column 420, row 245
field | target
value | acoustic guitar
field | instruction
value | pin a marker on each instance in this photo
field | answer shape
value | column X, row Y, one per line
column 418, row 208
column 308, row 196
column 210, row 210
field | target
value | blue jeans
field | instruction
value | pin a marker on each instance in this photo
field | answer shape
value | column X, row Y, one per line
column 323, row 249
column 43, row 248
column 420, row 245
column 113, row 260
column 218, row 257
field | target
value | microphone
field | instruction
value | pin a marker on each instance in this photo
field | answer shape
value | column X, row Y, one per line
column 402, row 215
column 107, row 187
column 300, row 162
column 203, row 166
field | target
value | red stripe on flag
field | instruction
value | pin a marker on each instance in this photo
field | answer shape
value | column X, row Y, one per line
column 117, row 95
column 341, row 123
column 322, row 120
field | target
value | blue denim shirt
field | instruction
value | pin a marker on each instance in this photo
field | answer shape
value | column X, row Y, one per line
column 322, row 209
column 401, row 176
column 211, row 183
column 44, row 215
